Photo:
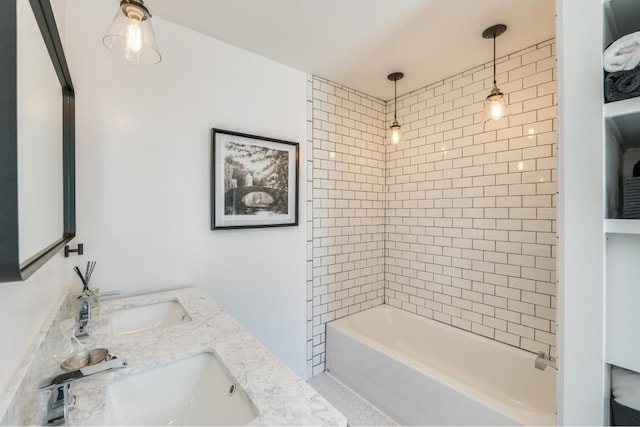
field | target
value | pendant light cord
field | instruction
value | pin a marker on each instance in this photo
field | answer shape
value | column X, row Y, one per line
column 494, row 58
column 395, row 98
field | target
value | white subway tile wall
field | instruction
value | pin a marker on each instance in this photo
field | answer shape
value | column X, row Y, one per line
column 347, row 203
column 457, row 223
column 471, row 207
column 309, row 224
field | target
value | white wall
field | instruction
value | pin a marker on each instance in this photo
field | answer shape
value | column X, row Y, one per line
column 24, row 306
column 143, row 163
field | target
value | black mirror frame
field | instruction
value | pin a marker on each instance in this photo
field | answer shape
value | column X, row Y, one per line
column 10, row 267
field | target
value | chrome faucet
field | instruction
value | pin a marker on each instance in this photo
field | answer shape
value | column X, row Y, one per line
column 83, row 304
column 60, row 400
column 83, row 319
column 543, row 360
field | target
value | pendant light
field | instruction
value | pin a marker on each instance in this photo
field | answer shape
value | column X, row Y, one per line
column 131, row 34
column 495, row 106
column 396, row 136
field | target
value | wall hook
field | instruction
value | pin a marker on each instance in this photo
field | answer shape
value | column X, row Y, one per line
column 79, row 250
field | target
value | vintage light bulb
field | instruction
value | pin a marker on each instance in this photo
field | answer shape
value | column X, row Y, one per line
column 396, row 136
column 134, row 35
column 496, row 107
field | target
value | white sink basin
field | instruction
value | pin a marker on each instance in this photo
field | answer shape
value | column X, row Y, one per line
column 197, row 390
column 147, row 317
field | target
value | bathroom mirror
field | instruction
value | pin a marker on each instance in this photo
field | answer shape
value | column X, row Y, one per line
column 37, row 154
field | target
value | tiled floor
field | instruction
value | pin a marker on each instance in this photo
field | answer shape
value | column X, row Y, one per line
column 358, row 411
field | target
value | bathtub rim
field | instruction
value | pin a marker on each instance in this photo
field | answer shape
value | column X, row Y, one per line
column 517, row 413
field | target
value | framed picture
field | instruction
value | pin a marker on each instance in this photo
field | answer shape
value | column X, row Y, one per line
column 254, row 181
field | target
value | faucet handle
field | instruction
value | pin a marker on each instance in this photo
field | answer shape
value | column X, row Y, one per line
column 67, row 377
column 86, row 371
column 107, row 365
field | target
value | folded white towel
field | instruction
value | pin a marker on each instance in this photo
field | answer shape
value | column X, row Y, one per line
column 625, row 386
column 623, row 54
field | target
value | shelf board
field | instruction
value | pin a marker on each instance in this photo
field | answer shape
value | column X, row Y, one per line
column 622, row 108
column 622, row 226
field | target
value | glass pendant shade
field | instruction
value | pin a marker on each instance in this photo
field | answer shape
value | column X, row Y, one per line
column 131, row 35
column 396, row 135
column 495, row 106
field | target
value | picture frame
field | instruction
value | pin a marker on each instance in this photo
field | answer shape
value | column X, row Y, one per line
column 254, row 181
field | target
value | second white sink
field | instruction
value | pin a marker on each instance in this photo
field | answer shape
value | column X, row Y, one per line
column 147, row 317
column 197, row 390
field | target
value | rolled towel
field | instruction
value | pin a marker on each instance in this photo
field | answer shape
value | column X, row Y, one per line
column 623, row 54
column 622, row 85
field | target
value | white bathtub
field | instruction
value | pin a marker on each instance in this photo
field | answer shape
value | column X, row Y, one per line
column 422, row 372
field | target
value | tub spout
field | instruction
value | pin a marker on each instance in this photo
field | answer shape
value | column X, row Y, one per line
column 543, row 360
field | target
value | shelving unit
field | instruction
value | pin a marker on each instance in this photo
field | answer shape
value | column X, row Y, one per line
column 622, row 251
column 621, row 119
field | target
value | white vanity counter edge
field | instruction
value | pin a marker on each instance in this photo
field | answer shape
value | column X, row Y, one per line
column 279, row 395
column 28, row 368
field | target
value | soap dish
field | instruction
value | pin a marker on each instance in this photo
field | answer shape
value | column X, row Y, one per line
column 85, row 358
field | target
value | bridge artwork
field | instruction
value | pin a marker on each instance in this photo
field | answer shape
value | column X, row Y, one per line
column 248, row 200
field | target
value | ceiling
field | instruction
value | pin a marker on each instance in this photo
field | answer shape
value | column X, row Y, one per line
column 357, row 43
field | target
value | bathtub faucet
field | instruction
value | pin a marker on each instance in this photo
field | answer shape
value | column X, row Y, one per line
column 543, row 360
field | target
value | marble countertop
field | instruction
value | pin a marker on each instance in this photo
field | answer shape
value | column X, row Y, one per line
column 278, row 394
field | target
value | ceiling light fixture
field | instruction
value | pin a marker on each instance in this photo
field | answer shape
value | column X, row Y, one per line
column 495, row 106
column 131, row 34
column 395, row 126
